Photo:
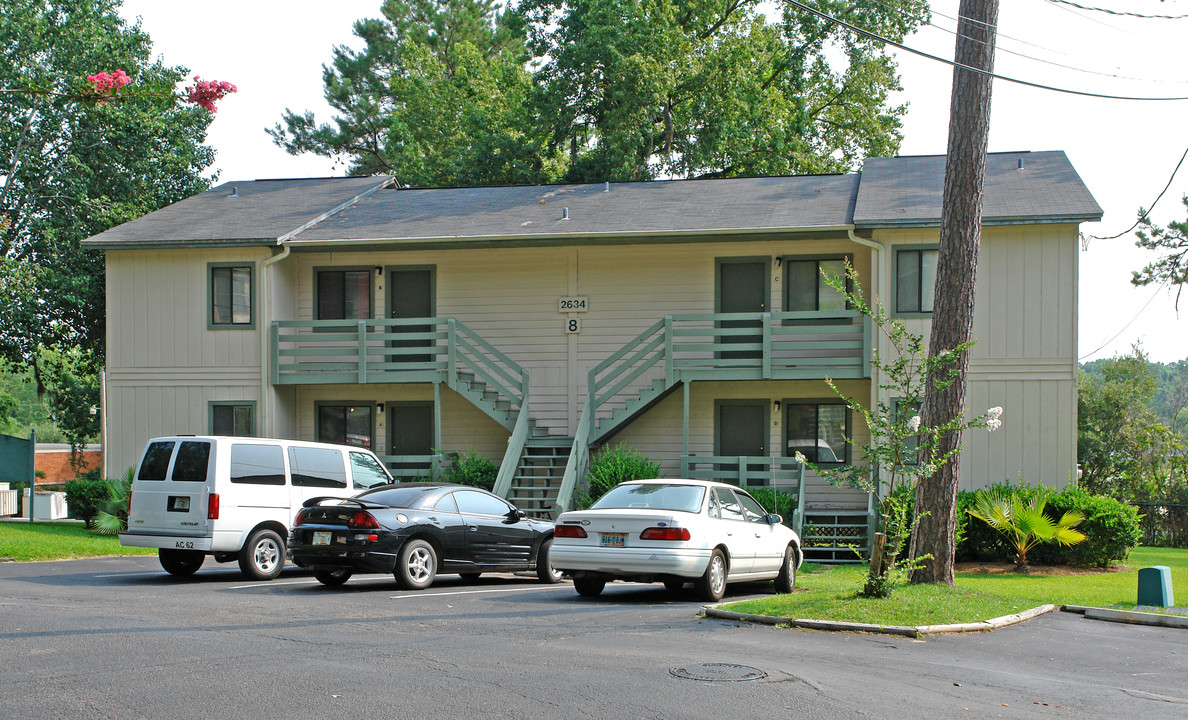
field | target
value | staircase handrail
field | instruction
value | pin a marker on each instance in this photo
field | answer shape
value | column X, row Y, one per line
column 515, row 447
column 487, row 364
column 579, row 455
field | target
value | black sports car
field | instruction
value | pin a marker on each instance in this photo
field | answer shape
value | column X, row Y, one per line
column 415, row 530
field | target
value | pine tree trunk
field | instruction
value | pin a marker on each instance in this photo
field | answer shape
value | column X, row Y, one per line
column 957, row 261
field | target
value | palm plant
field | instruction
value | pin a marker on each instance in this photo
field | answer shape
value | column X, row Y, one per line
column 113, row 514
column 1025, row 524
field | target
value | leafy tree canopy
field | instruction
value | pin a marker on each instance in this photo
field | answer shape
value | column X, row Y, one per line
column 615, row 90
column 70, row 169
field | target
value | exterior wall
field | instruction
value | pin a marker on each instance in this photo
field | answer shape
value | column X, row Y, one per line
column 1025, row 323
column 163, row 365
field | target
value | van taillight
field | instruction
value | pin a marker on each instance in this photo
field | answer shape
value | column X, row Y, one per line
column 212, row 507
column 363, row 519
column 129, row 512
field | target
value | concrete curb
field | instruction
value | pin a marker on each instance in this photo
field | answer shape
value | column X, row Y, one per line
column 904, row 630
column 1132, row 617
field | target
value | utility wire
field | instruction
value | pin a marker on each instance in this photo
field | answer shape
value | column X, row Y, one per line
column 1122, row 13
column 1143, row 214
column 1124, row 327
column 1028, row 83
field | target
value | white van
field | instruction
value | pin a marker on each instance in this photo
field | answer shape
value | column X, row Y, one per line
column 235, row 497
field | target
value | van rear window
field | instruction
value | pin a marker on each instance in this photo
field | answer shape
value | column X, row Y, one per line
column 156, row 461
column 317, row 467
column 192, row 460
column 257, row 464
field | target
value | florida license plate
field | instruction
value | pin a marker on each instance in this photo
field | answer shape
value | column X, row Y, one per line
column 321, row 538
column 613, row 539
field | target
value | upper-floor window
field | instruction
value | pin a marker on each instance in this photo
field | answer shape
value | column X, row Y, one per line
column 230, row 295
column 343, row 294
column 915, row 280
column 805, row 289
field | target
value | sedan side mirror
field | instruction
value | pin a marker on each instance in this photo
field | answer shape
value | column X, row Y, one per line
column 774, row 519
column 515, row 516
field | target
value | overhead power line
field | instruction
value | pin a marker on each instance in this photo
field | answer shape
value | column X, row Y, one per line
column 1145, row 213
column 874, row 36
column 1121, row 13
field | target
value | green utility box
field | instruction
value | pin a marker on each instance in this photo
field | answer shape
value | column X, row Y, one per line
column 1155, row 586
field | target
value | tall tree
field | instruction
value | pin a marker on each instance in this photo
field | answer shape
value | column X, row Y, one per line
column 703, row 88
column 1172, row 266
column 957, row 263
column 70, row 169
column 439, row 95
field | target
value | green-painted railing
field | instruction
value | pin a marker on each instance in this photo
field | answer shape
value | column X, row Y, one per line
column 515, row 448
column 785, row 473
column 579, row 460
column 432, row 349
column 413, row 467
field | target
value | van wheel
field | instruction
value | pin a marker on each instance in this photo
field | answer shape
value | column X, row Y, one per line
column 417, row 565
column 332, row 578
column 263, row 556
column 181, row 563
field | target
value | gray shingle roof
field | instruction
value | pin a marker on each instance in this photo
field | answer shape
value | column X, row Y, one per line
column 903, row 191
column 238, row 213
column 1020, row 187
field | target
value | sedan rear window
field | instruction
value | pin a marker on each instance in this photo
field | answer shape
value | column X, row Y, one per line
column 652, row 496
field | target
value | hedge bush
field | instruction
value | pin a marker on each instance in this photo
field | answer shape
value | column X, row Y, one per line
column 1112, row 529
column 85, row 497
column 472, row 469
column 617, row 464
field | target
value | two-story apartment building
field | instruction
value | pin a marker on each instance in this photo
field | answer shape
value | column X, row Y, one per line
column 686, row 319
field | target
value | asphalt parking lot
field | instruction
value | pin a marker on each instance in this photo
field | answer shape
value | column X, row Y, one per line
column 118, row 638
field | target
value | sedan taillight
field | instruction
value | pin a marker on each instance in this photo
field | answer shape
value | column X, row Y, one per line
column 665, row 533
column 363, row 520
column 300, row 519
column 569, row 531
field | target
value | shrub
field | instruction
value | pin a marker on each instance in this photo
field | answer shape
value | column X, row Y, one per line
column 472, row 469
column 112, row 517
column 614, row 465
column 1112, row 528
column 85, row 498
column 775, row 500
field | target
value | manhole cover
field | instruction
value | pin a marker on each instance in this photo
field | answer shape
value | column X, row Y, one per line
column 718, row 672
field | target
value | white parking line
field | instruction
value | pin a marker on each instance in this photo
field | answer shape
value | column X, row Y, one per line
column 477, row 592
column 272, row 583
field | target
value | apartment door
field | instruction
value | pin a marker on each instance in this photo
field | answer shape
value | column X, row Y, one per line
column 742, row 430
column 410, row 432
column 411, row 295
column 742, row 288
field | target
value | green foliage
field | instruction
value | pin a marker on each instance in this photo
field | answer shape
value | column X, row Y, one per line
column 472, row 469
column 616, row 464
column 1122, row 448
column 1172, row 267
column 1024, row 524
column 438, row 96
column 454, row 92
column 85, row 497
column 27, row 542
column 1111, row 528
column 112, row 517
column 775, row 500
column 73, row 169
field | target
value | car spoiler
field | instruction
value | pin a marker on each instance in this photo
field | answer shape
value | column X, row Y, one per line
column 315, row 501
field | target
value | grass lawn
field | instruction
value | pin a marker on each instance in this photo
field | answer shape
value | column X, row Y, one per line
column 829, row 593
column 58, row 541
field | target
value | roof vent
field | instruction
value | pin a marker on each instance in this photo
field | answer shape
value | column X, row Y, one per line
column 234, row 191
column 1020, row 163
column 564, row 213
column 607, row 188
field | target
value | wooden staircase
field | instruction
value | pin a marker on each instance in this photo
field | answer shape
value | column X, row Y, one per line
column 537, row 480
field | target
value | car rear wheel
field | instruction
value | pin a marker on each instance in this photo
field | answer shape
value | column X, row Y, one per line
column 588, row 587
column 785, row 582
column 544, row 563
column 332, row 578
column 417, row 565
column 181, row 563
column 712, row 585
column 263, row 557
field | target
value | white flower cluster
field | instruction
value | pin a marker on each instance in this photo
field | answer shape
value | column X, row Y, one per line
column 914, row 423
column 994, row 423
column 800, row 457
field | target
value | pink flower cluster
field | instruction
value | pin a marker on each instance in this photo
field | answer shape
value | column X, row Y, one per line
column 109, row 84
column 205, row 93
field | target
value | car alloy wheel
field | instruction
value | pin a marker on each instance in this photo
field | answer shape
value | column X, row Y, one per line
column 417, row 565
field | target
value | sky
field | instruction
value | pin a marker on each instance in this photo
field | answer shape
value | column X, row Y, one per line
column 1125, row 151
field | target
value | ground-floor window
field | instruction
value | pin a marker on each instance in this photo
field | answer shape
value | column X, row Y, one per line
column 818, row 430
column 346, row 424
column 233, row 418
